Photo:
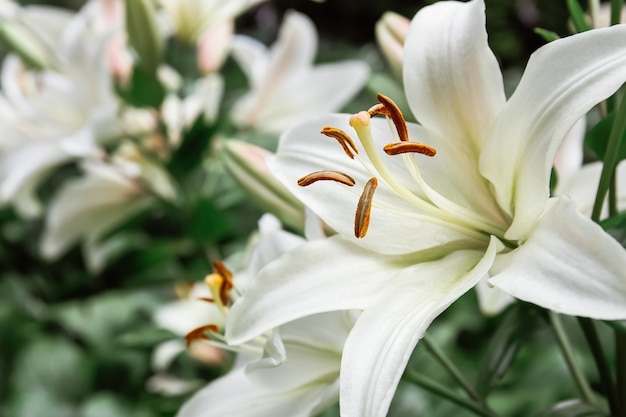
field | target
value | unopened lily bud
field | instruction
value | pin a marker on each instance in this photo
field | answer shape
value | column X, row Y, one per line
column 247, row 164
column 25, row 43
column 143, row 33
column 391, row 31
column 213, row 46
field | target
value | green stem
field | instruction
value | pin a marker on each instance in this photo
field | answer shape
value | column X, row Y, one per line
column 610, row 159
column 451, row 368
column 616, row 11
column 566, row 349
column 613, row 195
column 604, row 371
column 435, row 388
column 620, row 351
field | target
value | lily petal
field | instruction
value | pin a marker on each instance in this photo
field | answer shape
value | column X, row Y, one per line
column 325, row 275
column 455, row 90
column 380, row 344
column 562, row 81
column 568, row 264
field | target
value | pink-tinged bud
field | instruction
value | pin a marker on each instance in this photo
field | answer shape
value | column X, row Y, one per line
column 391, row 31
column 213, row 46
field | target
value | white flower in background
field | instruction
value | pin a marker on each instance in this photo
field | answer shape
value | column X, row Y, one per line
column 289, row 371
column 286, row 87
column 192, row 18
column 52, row 116
column 429, row 227
column 214, row 46
column 89, row 207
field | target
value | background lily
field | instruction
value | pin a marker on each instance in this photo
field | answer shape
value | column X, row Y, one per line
column 50, row 117
column 427, row 230
column 285, row 86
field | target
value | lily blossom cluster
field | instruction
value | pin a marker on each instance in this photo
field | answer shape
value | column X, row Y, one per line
column 425, row 212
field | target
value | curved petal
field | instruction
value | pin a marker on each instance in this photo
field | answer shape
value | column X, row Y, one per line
column 319, row 276
column 569, row 157
column 568, row 264
column 234, row 395
column 252, row 57
column 378, row 348
column 491, row 300
column 454, row 86
column 562, row 81
column 396, row 226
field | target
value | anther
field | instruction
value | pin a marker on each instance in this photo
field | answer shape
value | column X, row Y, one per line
column 344, row 140
column 409, row 147
column 200, row 333
column 220, row 282
column 327, row 175
column 393, row 111
column 364, row 208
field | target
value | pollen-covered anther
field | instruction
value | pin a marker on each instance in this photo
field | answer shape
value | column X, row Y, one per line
column 393, row 111
column 200, row 333
column 364, row 209
column 344, row 140
column 220, row 282
column 326, row 175
column 409, row 147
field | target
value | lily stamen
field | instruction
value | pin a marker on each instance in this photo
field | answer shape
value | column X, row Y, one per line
column 392, row 110
column 364, row 208
column 200, row 333
column 409, row 147
column 326, row 175
column 220, row 282
column 344, row 140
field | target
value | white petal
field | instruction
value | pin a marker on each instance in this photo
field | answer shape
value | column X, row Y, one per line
column 569, row 157
column 396, row 227
column 379, row 346
column 492, row 300
column 454, row 86
column 234, row 395
column 568, row 264
column 562, row 81
column 253, row 58
column 325, row 275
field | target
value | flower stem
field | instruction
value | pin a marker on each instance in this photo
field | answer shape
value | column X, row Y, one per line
column 616, row 11
column 604, row 371
column 436, row 388
column 610, row 159
column 566, row 349
column 451, row 368
column 620, row 352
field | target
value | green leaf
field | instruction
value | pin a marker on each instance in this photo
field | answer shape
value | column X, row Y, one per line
column 598, row 137
column 619, row 325
column 503, row 347
column 547, row 35
column 208, row 224
column 578, row 16
column 573, row 408
column 192, row 151
column 143, row 90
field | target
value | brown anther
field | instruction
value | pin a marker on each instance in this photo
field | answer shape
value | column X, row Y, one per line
column 393, row 111
column 200, row 333
column 220, row 282
column 327, row 175
column 207, row 299
column 364, row 208
column 378, row 109
column 409, row 147
column 344, row 140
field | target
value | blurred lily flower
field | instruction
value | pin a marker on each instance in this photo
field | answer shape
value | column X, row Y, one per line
column 214, row 45
column 391, row 31
column 192, row 18
column 247, row 164
column 433, row 219
column 285, row 85
column 291, row 371
column 50, row 117
column 87, row 208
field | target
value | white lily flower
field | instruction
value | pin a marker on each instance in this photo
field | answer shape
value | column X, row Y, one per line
column 428, row 229
column 191, row 18
column 291, row 371
column 89, row 207
column 285, row 86
column 52, row 116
